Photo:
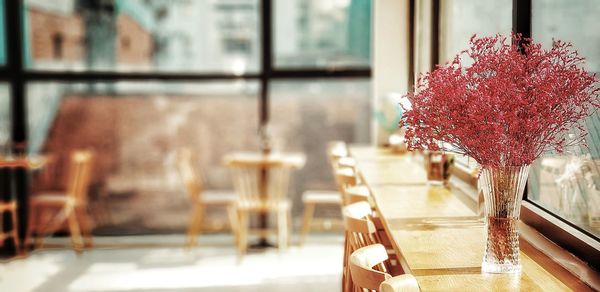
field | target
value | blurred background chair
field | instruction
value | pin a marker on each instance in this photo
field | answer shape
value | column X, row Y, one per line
column 202, row 199
column 262, row 187
column 364, row 276
column 10, row 207
column 336, row 150
column 70, row 206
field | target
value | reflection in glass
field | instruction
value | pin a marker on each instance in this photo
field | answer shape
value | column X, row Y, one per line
column 135, row 130
column 322, row 33
column 306, row 115
column 568, row 184
column 143, row 35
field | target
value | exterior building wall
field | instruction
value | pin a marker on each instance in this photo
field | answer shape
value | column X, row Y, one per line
column 133, row 43
column 45, row 26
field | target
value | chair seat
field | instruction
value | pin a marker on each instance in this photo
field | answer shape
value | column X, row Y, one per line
column 214, row 197
column 322, row 197
column 6, row 206
column 264, row 206
column 50, row 198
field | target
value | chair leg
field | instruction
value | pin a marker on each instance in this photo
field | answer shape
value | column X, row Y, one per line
column 86, row 228
column 290, row 227
column 15, row 232
column 282, row 229
column 309, row 210
column 233, row 222
column 242, row 231
column 40, row 226
column 195, row 226
column 32, row 222
column 74, row 229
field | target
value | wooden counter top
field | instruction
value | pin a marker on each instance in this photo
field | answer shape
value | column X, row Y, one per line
column 440, row 239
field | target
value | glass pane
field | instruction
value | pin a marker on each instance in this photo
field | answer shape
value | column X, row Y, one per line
column 143, row 35
column 2, row 35
column 5, row 120
column 322, row 33
column 461, row 19
column 569, row 184
column 135, row 130
column 306, row 115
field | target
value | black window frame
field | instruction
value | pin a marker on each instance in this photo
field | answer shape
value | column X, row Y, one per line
column 17, row 76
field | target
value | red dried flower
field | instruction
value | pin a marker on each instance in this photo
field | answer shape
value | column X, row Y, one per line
column 507, row 107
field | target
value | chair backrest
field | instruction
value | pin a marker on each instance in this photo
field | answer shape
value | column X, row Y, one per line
column 361, row 264
column 260, row 183
column 189, row 173
column 344, row 178
column 347, row 161
column 80, row 174
column 360, row 229
column 357, row 193
column 336, row 150
column 357, row 223
column 365, row 276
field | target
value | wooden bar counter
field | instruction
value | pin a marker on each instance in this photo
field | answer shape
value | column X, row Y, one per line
column 439, row 238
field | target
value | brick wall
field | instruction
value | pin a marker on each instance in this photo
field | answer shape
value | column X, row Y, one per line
column 134, row 44
column 46, row 26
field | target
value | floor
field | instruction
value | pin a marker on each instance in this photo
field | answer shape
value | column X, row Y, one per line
column 159, row 263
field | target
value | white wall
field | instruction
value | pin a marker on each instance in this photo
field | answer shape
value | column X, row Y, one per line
column 390, row 56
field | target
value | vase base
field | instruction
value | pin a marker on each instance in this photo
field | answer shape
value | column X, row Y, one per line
column 500, row 268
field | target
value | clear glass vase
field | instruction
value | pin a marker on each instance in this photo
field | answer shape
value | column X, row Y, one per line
column 503, row 191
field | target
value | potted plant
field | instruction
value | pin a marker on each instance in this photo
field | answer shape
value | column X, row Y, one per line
column 503, row 102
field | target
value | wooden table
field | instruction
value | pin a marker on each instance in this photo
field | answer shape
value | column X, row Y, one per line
column 439, row 239
column 264, row 161
column 7, row 198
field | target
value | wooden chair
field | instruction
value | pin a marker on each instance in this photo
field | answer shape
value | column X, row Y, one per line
column 336, row 150
column 201, row 199
column 358, row 193
column 360, row 232
column 343, row 168
column 72, row 205
column 262, row 188
column 311, row 199
column 345, row 178
column 13, row 232
column 365, row 277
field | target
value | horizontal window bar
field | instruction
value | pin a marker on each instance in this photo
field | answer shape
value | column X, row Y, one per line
column 321, row 73
column 116, row 76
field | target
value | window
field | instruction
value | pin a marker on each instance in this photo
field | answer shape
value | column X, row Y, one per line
column 135, row 130
column 461, row 19
column 147, row 36
column 57, row 46
column 568, row 185
column 322, row 33
column 309, row 113
column 151, row 76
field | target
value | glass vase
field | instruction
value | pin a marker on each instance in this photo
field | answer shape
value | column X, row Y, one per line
column 503, row 191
